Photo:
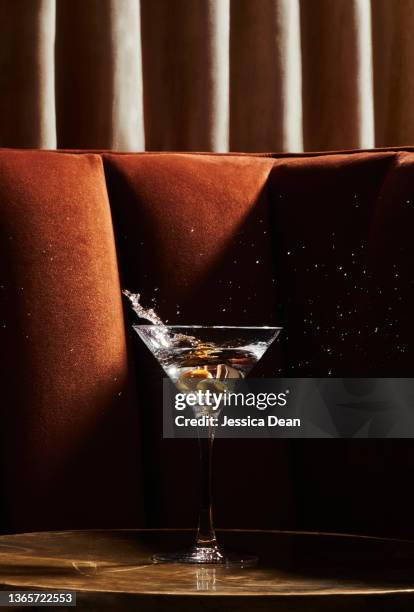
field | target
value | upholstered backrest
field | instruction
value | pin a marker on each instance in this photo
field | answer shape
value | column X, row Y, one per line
column 194, row 234
column 68, row 421
column 320, row 244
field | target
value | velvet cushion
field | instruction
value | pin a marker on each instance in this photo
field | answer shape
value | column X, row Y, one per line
column 194, row 235
column 69, row 452
column 344, row 254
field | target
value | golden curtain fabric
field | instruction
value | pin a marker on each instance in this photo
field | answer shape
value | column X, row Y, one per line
column 213, row 75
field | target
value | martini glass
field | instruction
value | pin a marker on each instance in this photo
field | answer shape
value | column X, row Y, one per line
column 197, row 357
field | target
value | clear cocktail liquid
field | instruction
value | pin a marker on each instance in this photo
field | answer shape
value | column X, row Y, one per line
column 181, row 354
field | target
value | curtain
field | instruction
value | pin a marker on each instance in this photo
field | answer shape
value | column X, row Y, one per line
column 212, row 75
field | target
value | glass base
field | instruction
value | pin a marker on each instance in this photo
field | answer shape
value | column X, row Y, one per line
column 211, row 555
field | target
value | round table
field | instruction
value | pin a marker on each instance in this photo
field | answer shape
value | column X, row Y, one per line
column 296, row 571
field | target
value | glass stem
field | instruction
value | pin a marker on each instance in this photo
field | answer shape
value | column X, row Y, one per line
column 205, row 534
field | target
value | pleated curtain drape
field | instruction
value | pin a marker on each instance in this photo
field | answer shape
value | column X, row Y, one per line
column 212, row 75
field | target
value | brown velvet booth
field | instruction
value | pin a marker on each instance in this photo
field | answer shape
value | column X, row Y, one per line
column 68, row 423
column 318, row 243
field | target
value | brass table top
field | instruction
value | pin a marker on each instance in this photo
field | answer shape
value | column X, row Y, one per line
column 298, row 571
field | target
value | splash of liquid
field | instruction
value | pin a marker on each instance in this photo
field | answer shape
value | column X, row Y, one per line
column 148, row 314
column 162, row 336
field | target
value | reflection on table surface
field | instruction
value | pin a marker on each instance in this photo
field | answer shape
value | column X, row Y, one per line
column 290, row 563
